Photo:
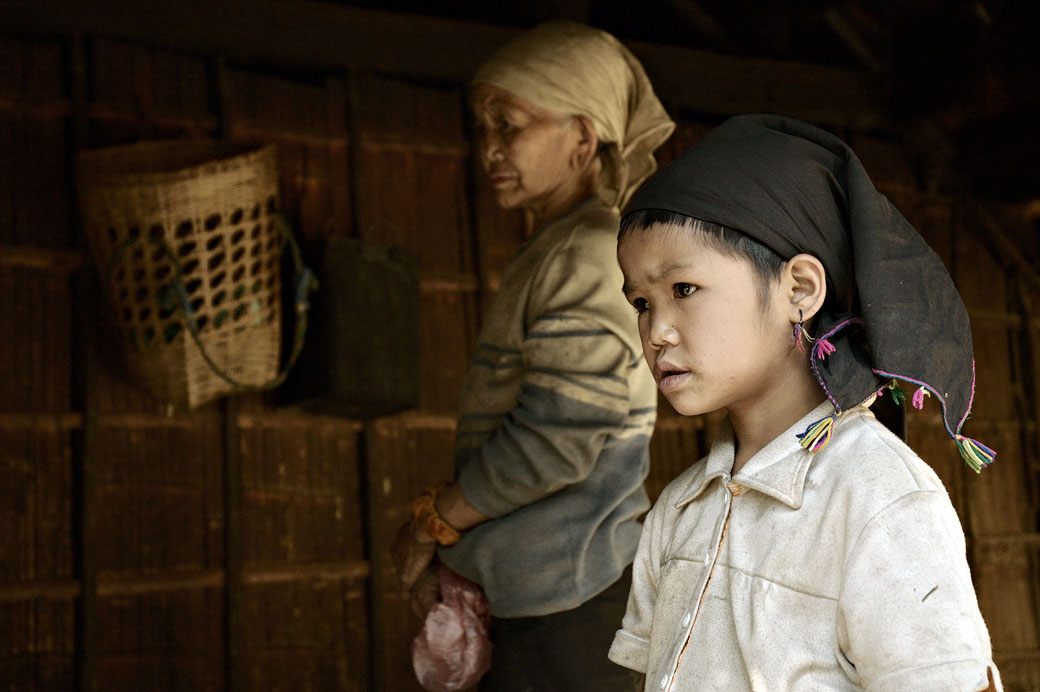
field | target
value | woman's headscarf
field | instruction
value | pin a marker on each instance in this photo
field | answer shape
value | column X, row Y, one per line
column 893, row 313
column 572, row 69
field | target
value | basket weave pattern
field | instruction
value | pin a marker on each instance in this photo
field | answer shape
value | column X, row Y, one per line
column 209, row 209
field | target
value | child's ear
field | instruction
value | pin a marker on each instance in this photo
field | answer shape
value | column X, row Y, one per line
column 588, row 144
column 806, row 280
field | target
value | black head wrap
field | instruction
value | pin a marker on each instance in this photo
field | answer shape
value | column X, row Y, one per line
column 893, row 312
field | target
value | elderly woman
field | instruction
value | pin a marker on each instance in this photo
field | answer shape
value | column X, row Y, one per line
column 557, row 408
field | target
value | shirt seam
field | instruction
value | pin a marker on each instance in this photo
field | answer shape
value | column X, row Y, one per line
column 782, row 585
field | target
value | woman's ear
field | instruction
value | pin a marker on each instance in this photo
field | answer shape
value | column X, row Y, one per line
column 806, row 280
column 588, row 144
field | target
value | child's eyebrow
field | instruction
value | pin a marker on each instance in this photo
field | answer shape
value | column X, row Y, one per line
column 669, row 269
column 659, row 274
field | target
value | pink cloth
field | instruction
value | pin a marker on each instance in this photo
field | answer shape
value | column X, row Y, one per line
column 453, row 650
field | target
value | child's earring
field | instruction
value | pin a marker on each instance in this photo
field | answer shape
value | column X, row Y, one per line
column 800, row 332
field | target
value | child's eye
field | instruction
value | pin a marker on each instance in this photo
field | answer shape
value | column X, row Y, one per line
column 640, row 305
column 684, row 290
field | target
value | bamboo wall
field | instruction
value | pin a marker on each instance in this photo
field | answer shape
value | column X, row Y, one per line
column 243, row 546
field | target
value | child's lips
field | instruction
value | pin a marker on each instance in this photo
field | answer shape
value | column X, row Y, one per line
column 670, row 376
column 672, row 379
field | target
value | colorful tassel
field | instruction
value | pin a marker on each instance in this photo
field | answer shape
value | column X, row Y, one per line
column 824, row 348
column 817, row 435
column 977, row 455
column 919, row 395
column 798, row 337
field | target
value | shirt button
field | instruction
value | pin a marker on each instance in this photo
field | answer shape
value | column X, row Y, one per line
column 664, row 682
column 686, row 619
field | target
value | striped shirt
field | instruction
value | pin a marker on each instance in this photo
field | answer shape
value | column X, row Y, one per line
column 555, row 421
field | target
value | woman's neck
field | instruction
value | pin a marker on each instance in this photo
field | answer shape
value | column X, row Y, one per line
column 563, row 199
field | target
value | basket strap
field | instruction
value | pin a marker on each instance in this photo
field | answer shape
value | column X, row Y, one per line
column 177, row 295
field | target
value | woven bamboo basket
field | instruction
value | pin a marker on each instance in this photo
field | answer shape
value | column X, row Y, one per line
column 185, row 236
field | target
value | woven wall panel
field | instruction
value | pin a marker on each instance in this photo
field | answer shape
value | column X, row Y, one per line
column 401, row 111
column 143, row 93
column 305, row 622
column 447, row 333
column 686, row 133
column 165, row 641
column 36, row 632
column 412, row 168
column 998, row 498
column 1020, row 672
column 979, row 276
column 35, row 361
column 404, row 454
column 153, row 83
column 159, row 499
column 32, row 68
column 412, row 196
column 35, row 506
column 306, row 635
column 274, row 104
column 415, row 200
column 885, row 160
column 1005, row 574
column 995, row 383
column 308, row 123
column 33, row 179
column 37, row 645
column 33, row 111
column 302, row 495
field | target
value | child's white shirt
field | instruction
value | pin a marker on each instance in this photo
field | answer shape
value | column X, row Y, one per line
column 843, row 570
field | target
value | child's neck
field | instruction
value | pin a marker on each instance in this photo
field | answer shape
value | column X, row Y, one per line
column 758, row 423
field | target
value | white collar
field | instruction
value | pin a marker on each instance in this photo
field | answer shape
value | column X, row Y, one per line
column 777, row 470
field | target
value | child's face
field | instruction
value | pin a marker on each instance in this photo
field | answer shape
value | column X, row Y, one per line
column 706, row 335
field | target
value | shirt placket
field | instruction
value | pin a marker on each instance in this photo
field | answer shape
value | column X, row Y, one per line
column 688, row 621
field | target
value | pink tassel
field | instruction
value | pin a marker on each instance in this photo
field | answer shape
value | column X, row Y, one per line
column 824, row 348
column 918, row 399
column 798, row 337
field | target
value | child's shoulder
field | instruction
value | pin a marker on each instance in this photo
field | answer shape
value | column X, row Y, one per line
column 868, row 458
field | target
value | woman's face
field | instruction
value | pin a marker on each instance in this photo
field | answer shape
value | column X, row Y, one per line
column 527, row 152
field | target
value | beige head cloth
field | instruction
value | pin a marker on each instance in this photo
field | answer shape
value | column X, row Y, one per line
column 573, row 69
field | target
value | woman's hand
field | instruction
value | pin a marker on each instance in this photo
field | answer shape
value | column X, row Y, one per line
column 412, row 552
column 413, row 549
column 426, row 591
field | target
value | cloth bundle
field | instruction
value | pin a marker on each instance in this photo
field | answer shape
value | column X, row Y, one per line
column 453, row 649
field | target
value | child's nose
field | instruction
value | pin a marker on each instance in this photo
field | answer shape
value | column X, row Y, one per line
column 662, row 331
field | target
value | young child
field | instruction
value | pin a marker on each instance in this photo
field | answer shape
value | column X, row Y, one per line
column 811, row 549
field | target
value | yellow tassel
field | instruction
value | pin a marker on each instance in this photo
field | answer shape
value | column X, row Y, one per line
column 818, row 435
column 977, row 455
